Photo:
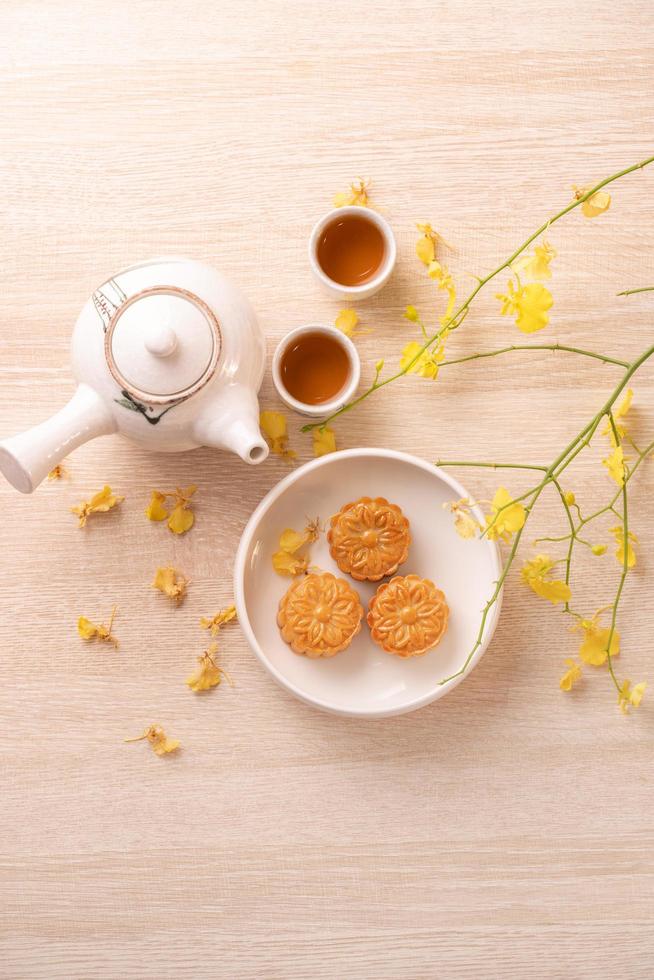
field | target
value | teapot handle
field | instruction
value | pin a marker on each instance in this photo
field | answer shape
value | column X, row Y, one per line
column 27, row 458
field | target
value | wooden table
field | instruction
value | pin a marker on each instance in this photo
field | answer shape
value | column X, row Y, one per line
column 505, row 831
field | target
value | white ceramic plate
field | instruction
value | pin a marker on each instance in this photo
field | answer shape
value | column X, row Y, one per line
column 363, row 681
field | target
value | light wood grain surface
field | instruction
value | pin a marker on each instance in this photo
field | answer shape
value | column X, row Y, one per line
column 505, row 831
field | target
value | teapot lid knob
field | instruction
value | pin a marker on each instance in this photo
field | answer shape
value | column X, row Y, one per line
column 160, row 339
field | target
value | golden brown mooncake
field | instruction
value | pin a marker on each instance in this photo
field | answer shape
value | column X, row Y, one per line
column 369, row 538
column 320, row 615
column 408, row 616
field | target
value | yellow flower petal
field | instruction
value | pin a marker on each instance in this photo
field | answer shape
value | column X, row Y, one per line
column 424, row 364
column 426, row 249
column 273, row 426
column 91, row 631
column 615, row 464
column 618, row 534
column 285, row 564
column 181, row 519
column 100, row 503
column 535, row 574
column 465, row 525
column 171, row 582
column 157, row 739
column 358, row 194
column 629, row 696
column 215, row 622
column 208, row 674
column 571, row 676
column 324, row 441
column 529, row 304
column 594, row 645
column 347, row 321
column 597, row 203
column 507, row 516
column 291, row 541
column 536, row 266
column 156, row 509
column 86, row 629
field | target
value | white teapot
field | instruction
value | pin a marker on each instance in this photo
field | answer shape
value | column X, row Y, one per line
column 169, row 354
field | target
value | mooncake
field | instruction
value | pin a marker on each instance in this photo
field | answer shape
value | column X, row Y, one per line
column 369, row 538
column 320, row 615
column 407, row 616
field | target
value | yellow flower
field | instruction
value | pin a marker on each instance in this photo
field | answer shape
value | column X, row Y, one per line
column 89, row 631
column 324, row 441
column 445, row 282
column 158, row 740
column 464, row 523
column 347, row 321
column 357, row 194
column 181, row 518
column 597, row 203
column 412, row 314
column 215, row 622
column 615, row 464
column 57, row 472
column 621, row 411
column 292, row 565
column 428, row 242
column 273, row 426
column 507, row 517
column 171, row 582
column 156, row 509
column 208, row 674
column 599, row 549
column 618, row 534
column 529, row 304
column 100, row 503
column 571, row 676
column 424, row 364
column 536, row 266
column 593, row 649
column 569, row 498
column 535, row 574
column 630, row 696
column 286, row 561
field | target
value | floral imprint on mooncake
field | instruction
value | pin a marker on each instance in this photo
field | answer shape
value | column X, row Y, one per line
column 320, row 615
column 369, row 538
column 408, row 616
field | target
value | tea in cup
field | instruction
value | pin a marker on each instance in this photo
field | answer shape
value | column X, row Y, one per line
column 352, row 252
column 316, row 369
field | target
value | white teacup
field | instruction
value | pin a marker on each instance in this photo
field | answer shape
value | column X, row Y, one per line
column 351, row 383
column 381, row 277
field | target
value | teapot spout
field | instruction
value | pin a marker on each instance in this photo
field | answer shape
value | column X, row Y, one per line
column 26, row 459
column 231, row 421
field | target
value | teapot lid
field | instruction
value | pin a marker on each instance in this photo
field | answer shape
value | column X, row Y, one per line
column 162, row 343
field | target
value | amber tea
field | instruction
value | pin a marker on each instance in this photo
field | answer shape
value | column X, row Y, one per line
column 351, row 250
column 314, row 368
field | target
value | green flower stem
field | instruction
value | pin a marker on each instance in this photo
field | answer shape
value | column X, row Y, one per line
column 641, row 289
column 493, row 599
column 625, row 564
column 573, row 538
column 494, row 466
column 583, row 438
column 552, row 347
column 630, row 472
column 463, row 308
column 552, row 473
